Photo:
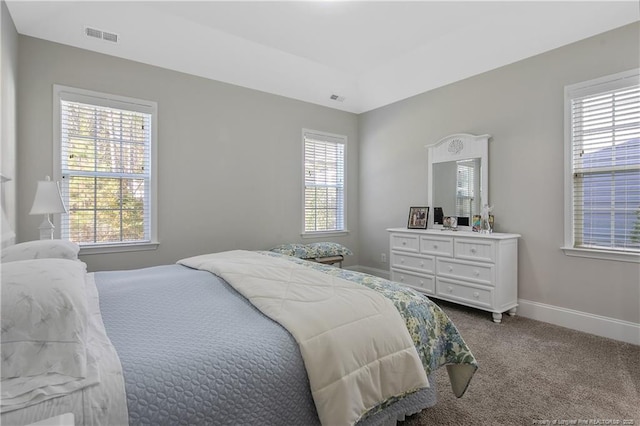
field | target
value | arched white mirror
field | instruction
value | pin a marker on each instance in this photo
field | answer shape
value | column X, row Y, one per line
column 458, row 178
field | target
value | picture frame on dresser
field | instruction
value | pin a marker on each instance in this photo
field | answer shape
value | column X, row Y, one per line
column 477, row 220
column 418, row 218
column 450, row 222
column 475, row 223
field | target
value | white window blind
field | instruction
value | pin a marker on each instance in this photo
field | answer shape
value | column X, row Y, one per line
column 105, row 166
column 465, row 191
column 605, row 163
column 324, row 168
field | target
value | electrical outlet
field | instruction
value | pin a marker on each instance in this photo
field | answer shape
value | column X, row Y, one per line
column 383, row 257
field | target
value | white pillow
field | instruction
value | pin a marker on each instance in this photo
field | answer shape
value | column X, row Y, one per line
column 41, row 249
column 44, row 318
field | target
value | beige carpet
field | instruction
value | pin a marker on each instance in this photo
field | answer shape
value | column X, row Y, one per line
column 531, row 372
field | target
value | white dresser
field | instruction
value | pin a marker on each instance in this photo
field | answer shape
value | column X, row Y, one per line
column 469, row 268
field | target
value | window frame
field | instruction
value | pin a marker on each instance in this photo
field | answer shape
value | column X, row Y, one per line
column 91, row 97
column 340, row 139
column 577, row 90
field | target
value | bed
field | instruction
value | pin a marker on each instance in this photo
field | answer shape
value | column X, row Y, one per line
column 175, row 344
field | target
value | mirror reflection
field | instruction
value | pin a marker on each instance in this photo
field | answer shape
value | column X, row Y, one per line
column 456, row 188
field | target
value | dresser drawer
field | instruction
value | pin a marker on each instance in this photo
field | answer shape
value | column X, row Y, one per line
column 424, row 283
column 478, row 272
column 404, row 242
column 438, row 246
column 470, row 295
column 474, row 249
column 413, row 262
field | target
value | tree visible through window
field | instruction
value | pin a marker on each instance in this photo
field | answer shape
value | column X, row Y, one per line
column 323, row 182
column 105, row 166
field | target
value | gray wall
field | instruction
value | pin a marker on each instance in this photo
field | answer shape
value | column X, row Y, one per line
column 229, row 158
column 521, row 106
column 8, row 135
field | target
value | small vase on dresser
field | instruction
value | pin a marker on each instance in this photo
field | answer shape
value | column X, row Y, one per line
column 469, row 268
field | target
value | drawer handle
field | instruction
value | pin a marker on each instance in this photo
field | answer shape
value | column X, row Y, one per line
column 404, row 243
column 421, row 282
column 435, row 246
column 402, row 260
column 473, row 250
column 476, row 294
column 422, row 263
column 450, row 268
column 402, row 278
column 477, row 273
column 450, row 289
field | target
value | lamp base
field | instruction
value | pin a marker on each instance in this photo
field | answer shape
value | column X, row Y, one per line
column 46, row 229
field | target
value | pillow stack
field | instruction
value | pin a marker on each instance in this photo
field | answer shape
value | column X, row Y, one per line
column 44, row 319
column 42, row 249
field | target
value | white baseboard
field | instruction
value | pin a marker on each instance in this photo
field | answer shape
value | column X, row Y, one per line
column 612, row 328
column 382, row 273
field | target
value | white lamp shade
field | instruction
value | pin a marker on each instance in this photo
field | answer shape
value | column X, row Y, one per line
column 48, row 198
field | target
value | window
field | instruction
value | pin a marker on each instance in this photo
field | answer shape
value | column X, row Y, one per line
column 104, row 145
column 603, row 167
column 466, row 184
column 324, row 159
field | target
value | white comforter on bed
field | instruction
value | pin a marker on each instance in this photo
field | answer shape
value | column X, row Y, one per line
column 355, row 345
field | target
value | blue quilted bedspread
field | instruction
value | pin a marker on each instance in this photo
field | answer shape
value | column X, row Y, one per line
column 188, row 343
column 195, row 352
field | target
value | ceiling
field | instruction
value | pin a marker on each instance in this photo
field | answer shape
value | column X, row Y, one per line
column 370, row 53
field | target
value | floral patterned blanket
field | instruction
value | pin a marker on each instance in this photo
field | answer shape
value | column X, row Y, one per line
column 436, row 338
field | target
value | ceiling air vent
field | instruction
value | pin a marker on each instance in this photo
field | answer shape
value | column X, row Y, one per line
column 337, row 98
column 92, row 32
column 110, row 36
column 103, row 35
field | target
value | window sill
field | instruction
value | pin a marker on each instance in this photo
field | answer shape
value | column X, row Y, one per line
column 117, row 248
column 324, row 234
column 602, row 254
